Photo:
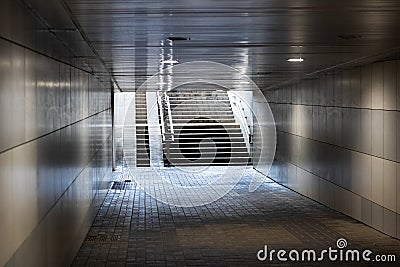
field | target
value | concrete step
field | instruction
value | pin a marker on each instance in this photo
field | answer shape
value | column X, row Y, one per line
column 189, row 128
column 199, row 108
column 200, row 113
column 206, row 150
column 196, row 94
column 185, row 98
column 184, row 134
column 201, row 102
column 195, row 138
column 207, row 144
column 208, row 154
column 201, row 120
column 198, row 116
column 226, row 160
column 194, row 105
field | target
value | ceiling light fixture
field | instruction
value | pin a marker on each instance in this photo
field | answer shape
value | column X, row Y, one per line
column 178, row 38
column 170, row 61
column 297, row 59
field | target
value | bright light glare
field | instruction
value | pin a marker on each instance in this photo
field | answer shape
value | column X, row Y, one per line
column 295, row 59
column 169, row 61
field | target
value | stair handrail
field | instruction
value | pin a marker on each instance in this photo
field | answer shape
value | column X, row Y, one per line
column 243, row 120
column 242, row 116
column 171, row 125
column 165, row 114
column 161, row 109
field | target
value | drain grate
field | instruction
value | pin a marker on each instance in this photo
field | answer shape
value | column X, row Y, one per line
column 118, row 185
column 103, row 238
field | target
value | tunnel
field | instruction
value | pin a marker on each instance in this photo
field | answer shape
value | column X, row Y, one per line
column 199, row 133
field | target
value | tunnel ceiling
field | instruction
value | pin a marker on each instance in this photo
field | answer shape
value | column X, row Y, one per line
column 257, row 37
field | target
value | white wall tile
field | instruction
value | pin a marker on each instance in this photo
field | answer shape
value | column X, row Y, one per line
column 389, row 185
column 377, row 180
column 328, row 87
column 313, row 187
column 337, row 89
column 398, row 85
column 355, row 129
column 366, row 131
column 356, row 206
column 389, row 222
column 361, row 174
column 347, row 128
column 377, row 85
column 346, row 156
column 326, row 193
column 398, row 225
column 6, row 201
column 366, row 211
column 337, row 122
column 343, row 200
column 377, row 217
column 389, row 135
column 377, row 132
column 356, row 87
column 389, row 85
column 398, row 136
column 366, row 84
column 398, row 186
column 24, row 191
column 346, row 88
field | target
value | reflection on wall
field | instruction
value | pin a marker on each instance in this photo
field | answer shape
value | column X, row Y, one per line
column 55, row 130
column 339, row 142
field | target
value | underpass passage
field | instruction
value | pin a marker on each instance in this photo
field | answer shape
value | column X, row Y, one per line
column 134, row 229
column 323, row 80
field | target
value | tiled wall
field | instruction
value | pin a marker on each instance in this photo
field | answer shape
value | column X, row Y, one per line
column 339, row 141
column 55, row 130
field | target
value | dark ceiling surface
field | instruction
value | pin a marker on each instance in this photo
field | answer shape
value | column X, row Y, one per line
column 256, row 37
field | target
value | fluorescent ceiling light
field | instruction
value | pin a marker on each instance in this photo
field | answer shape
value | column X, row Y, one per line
column 298, row 59
column 169, row 61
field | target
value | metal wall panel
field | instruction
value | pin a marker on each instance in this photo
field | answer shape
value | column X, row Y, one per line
column 390, row 135
column 55, row 152
column 5, row 93
column 366, row 131
column 398, row 85
column 346, row 88
column 377, row 133
column 377, row 85
column 389, row 180
column 366, row 86
column 5, row 18
column 337, row 89
column 351, row 148
column 355, row 84
column 389, row 85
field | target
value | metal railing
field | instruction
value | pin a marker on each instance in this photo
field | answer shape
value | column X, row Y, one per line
column 164, row 106
column 171, row 125
column 242, row 117
column 161, row 109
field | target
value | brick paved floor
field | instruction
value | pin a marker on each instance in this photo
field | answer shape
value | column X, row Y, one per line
column 134, row 229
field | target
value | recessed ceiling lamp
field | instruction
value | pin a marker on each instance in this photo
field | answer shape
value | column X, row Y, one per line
column 295, row 59
column 170, row 61
column 178, row 38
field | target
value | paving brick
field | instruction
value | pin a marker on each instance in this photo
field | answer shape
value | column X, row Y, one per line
column 134, row 229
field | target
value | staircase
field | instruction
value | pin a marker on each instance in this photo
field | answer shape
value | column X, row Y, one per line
column 142, row 131
column 206, row 132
